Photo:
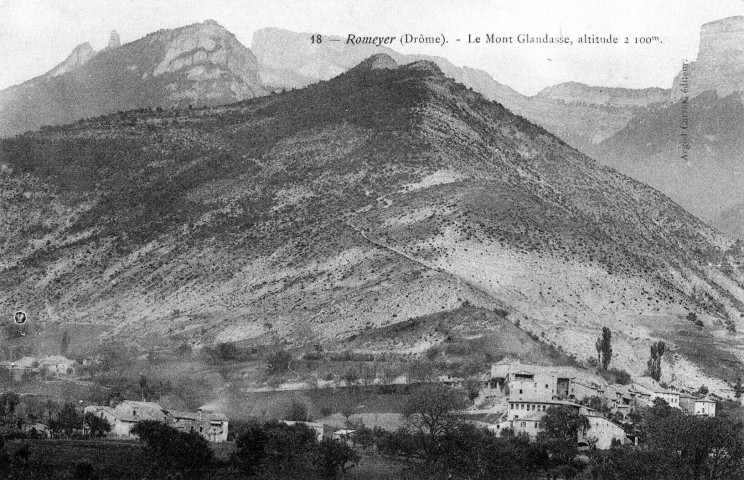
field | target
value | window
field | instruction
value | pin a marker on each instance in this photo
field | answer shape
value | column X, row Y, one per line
column 520, row 392
column 524, row 424
column 546, row 385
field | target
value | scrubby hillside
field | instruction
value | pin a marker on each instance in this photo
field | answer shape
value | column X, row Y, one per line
column 354, row 204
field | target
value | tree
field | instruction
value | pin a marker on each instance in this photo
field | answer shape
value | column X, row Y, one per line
column 68, row 419
column 472, row 387
column 4, row 459
column 604, row 348
column 65, row 344
column 8, row 403
column 351, row 376
column 171, row 451
column 368, row 373
column 143, row 387
column 297, row 411
column 430, row 413
column 560, row 437
column 654, row 362
column 96, row 425
column 331, row 457
column 278, row 362
column 420, row 371
column 275, row 447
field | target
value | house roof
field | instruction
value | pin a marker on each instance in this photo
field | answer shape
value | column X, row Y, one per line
column 543, row 400
column 177, row 414
column 56, row 360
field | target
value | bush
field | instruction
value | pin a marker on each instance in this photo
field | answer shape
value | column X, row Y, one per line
column 278, row 362
column 331, row 458
column 275, row 447
column 173, row 451
column 297, row 411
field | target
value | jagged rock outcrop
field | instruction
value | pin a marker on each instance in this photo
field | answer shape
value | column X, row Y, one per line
column 80, row 56
column 200, row 64
column 114, row 40
column 720, row 61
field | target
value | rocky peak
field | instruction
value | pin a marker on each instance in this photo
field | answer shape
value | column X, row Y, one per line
column 720, row 62
column 114, row 40
column 202, row 50
column 80, row 56
column 378, row 62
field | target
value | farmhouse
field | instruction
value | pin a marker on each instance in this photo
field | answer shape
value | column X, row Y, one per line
column 123, row 417
column 212, row 426
column 527, row 416
column 19, row 368
column 58, row 366
column 513, row 379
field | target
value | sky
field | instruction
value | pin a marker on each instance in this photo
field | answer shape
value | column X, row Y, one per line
column 35, row 35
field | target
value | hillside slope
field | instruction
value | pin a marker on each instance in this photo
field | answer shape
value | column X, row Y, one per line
column 384, row 194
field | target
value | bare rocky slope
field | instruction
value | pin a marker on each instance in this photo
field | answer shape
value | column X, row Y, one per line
column 384, row 194
column 200, row 64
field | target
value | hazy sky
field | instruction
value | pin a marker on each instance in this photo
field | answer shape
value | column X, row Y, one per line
column 35, row 35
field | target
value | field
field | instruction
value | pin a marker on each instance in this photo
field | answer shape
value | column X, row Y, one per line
column 120, row 459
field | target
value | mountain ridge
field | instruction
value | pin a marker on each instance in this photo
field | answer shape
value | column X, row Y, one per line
column 198, row 64
column 350, row 205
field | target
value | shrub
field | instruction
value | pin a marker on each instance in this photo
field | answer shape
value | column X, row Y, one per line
column 278, row 362
column 173, row 451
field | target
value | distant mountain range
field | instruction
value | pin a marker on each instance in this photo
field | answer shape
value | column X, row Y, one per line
column 383, row 194
column 693, row 150
column 200, row 64
column 634, row 131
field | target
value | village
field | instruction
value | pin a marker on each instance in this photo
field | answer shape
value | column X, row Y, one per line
column 511, row 397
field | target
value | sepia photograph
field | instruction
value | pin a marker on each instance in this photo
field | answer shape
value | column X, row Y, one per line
column 362, row 240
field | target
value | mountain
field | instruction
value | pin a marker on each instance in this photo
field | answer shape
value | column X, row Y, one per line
column 200, row 64
column 583, row 115
column 692, row 149
column 288, row 60
column 386, row 194
column 579, row 114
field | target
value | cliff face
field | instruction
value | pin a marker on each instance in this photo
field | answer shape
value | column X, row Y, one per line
column 699, row 166
column 720, row 62
column 200, row 64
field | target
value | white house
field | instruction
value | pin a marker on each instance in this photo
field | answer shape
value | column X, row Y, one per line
column 527, row 416
column 705, row 406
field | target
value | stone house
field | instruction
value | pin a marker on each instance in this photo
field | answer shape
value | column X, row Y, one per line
column 693, row 405
column 212, row 426
column 510, row 379
column 58, row 366
column 22, row 367
column 123, row 417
